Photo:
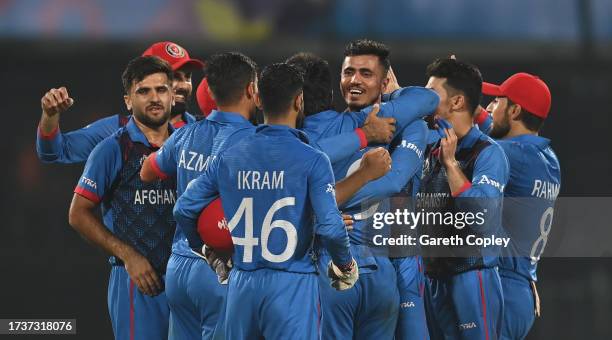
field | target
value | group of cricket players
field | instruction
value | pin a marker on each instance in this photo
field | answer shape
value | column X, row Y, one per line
column 254, row 219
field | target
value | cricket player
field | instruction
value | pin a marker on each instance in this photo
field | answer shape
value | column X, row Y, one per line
column 137, row 224
column 195, row 295
column 53, row 146
column 465, row 168
column 521, row 105
column 271, row 183
column 371, row 310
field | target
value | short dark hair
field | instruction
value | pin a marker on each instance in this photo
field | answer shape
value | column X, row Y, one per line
column 228, row 75
column 318, row 93
column 531, row 121
column 278, row 85
column 460, row 76
column 140, row 67
column 369, row 47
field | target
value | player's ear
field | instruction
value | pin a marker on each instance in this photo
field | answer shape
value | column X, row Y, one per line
column 298, row 102
column 128, row 102
column 385, row 82
column 258, row 101
column 514, row 111
column 250, row 90
column 457, row 102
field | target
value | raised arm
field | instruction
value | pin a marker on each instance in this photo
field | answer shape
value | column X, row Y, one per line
column 53, row 146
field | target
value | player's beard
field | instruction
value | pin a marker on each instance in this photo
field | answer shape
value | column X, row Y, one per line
column 150, row 121
column 256, row 116
column 501, row 130
column 179, row 108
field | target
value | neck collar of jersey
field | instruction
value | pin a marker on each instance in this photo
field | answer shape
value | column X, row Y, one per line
column 469, row 139
column 188, row 117
column 136, row 134
column 282, row 130
column 538, row 141
column 226, row 117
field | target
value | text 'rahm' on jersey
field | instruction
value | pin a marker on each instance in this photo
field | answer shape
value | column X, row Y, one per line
column 261, row 180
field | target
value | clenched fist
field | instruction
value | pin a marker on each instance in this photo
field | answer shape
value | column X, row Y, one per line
column 376, row 163
column 56, row 101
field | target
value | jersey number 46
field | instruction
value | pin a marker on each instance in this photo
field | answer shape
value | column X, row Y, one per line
column 249, row 242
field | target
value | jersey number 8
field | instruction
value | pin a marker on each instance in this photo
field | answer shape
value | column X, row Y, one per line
column 248, row 241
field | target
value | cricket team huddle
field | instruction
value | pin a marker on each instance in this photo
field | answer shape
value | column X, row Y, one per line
column 254, row 220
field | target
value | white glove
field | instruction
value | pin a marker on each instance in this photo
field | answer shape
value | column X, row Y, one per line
column 342, row 280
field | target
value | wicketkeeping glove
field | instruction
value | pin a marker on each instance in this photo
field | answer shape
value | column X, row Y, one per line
column 343, row 279
column 220, row 263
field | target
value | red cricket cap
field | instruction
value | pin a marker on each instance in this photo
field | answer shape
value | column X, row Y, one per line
column 205, row 101
column 527, row 90
column 174, row 54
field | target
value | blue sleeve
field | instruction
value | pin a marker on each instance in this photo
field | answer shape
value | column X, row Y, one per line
column 74, row 146
column 164, row 160
column 339, row 147
column 199, row 193
column 329, row 225
column 407, row 159
column 409, row 104
column 490, row 176
column 101, row 169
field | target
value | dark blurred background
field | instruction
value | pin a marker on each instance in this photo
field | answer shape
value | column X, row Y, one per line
column 48, row 271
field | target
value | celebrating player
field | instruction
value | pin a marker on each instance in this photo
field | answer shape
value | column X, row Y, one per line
column 356, row 314
column 194, row 293
column 270, row 194
column 464, row 296
column 519, row 109
column 137, row 224
column 75, row 146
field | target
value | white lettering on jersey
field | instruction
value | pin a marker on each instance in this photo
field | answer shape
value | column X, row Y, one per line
column 89, row 182
column 165, row 196
column 545, row 189
column 256, row 180
column 411, row 146
column 486, row 180
column 194, row 161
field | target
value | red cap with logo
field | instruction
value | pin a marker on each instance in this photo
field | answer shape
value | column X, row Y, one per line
column 524, row 89
column 174, row 54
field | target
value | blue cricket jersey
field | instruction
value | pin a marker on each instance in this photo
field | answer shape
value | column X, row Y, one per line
column 189, row 151
column 535, row 181
column 407, row 106
column 484, row 164
column 278, row 192
column 139, row 214
column 75, row 146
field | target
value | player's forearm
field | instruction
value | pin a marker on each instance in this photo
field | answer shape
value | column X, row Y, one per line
column 84, row 221
column 409, row 104
column 186, row 219
column 48, row 124
column 456, row 179
column 149, row 171
column 347, row 187
column 336, row 241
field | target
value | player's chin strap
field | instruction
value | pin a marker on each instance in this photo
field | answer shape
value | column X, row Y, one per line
column 220, row 264
column 536, row 298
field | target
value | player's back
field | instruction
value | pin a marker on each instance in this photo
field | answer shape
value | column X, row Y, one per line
column 264, row 184
column 191, row 149
column 535, row 180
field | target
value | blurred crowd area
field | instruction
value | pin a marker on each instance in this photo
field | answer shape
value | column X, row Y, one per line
column 48, row 271
column 258, row 20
